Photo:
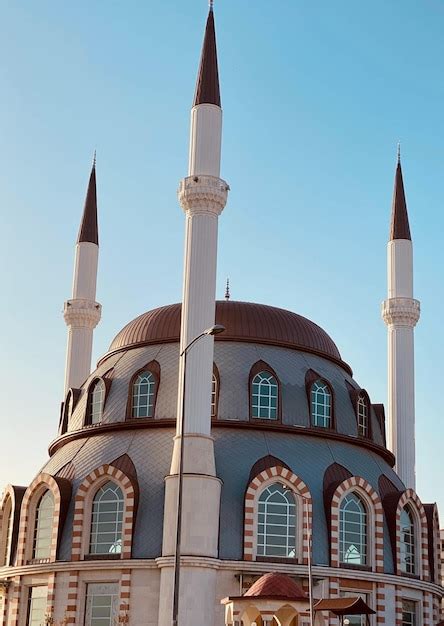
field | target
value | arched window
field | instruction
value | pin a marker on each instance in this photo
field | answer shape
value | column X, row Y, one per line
column 214, row 395
column 44, row 516
column 264, row 396
column 407, row 546
column 144, row 394
column 321, row 404
column 276, row 523
column 96, row 398
column 6, row 538
column 106, row 520
column 362, row 412
column 353, row 530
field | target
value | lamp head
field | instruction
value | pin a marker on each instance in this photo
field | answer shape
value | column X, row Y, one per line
column 215, row 330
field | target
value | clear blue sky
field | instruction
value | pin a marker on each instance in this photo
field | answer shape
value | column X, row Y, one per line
column 316, row 96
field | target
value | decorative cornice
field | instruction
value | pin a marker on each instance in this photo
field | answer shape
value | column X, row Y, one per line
column 139, row 423
column 203, row 195
column 401, row 312
column 81, row 313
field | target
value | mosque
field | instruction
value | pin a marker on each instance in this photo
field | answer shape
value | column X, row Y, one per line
column 221, row 465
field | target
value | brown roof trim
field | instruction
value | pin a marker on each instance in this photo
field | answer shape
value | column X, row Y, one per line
column 344, row 606
column 265, row 463
column 141, row 423
column 390, row 496
column 399, row 227
column 89, row 231
column 207, row 87
column 430, row 515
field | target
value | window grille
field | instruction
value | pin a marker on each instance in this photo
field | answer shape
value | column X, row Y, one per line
column 321, row 404
column 44, row 517
column 276, row 524
column 353, row 530
column 407, row 546
column 106, row 520
column 144, row 390
column 264, row 398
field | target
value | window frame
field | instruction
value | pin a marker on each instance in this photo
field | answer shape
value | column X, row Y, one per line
column 257, row 368
column 7, row 531
column 296, row 514
column 311, row 377
column 68, row 408
column 35, row 528
column 154, row 368
column 370, row 542
column 88, row 595
column 107, row 384
column 100, row 555
column 355, row 395
column 408, row 509
column 215, row 377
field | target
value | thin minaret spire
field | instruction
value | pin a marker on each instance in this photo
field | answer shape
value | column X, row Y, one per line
column 401, row 313
column 82, row 312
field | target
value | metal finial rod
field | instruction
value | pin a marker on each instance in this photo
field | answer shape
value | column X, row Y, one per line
column 227, row 290
column 94, row 159
column 211, row 4
column 399, row 152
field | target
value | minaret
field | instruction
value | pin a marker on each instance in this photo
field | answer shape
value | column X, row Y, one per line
column 82, row 312
column 401, row 312
column 202, row 195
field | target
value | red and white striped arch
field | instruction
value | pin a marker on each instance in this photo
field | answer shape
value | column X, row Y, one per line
column 257, row 485
column 83, row 506
column 409, row 497
column 36, row 489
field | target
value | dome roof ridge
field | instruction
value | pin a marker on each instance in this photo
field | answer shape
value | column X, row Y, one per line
column 248, row 322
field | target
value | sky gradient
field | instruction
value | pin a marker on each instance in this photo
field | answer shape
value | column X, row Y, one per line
column 315, row 98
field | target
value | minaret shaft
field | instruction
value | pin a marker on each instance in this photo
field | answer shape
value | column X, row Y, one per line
column 202, row 196
column 401, row 313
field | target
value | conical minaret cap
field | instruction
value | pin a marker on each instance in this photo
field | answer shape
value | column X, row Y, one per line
column 399, row 228
column 207, row 88
column 88, row 228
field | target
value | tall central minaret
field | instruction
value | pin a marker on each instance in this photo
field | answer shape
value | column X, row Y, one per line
column 82, row 312
column 401, row 312
column 202, row 195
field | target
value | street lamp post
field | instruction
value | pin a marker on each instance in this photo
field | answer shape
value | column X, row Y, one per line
column 213, row 330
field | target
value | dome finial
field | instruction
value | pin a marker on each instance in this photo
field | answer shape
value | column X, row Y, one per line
column 211, row 4
column 227, row 290
column 94, row 158
column 399, row 153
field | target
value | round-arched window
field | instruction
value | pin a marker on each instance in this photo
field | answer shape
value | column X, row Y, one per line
column 144, row 394
column 264, row 396
column 407, row 546
column 321, row 404
column 362, row 416
column 44, row 517
column 353, row 542
column 95, row 402
column 276, row 523
column 106, row 520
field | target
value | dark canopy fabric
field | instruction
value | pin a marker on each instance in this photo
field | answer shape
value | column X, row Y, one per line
column 344, row 606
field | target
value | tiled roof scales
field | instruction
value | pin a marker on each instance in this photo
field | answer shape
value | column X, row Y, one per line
column 207, row 88
column 88, row 228
column 399, row 228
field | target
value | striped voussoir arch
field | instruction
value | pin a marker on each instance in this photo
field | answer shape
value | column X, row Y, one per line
column 38, row 486
column 253, row 491
column 88, row 489
column 410, row 497
column 359, row 484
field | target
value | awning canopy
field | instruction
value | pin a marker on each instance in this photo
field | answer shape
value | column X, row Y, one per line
column 344, row 606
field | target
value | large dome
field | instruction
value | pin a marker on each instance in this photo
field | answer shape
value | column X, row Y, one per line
column 244, row 321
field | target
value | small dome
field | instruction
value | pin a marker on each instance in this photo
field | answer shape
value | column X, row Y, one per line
column 274, row 585
column 244, row 321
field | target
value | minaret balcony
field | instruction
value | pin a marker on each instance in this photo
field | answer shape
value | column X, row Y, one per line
column 203, row 194
column 401, row 312
column 80, row 313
